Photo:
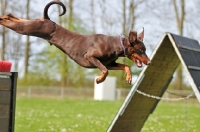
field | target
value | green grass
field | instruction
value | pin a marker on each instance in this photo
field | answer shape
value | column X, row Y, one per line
column 174, row 117
column 54, row 115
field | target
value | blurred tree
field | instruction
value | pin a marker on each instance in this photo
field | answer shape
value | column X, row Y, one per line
column 104, row 20
column 3, row 6
column 44, row 68
column 93, row 16
column 180, row 18
column 28, row 43
column 64, row 67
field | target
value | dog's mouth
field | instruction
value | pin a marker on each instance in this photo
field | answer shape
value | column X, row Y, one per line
column 138, row 62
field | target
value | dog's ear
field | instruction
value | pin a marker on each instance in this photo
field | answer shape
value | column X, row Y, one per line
column 132, row 36
column 141, row 35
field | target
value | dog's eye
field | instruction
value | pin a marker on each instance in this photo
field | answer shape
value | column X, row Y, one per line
column 141, row 50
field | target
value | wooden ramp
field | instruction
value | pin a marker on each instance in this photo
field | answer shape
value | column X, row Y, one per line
column 155, row 78
column 8, row 83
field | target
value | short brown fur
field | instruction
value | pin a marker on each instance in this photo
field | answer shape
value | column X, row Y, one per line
column 90, row 51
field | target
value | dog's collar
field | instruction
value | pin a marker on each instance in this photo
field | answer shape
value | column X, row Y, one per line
column 121, row 42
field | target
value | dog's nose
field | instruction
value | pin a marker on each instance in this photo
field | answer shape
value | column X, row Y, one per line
column 148, row 62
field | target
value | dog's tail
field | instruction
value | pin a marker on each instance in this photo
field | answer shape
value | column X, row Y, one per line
column 45, row 13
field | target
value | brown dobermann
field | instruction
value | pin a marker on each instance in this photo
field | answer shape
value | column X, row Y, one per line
column 90, row 51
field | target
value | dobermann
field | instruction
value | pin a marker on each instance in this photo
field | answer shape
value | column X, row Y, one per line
column 90, row 51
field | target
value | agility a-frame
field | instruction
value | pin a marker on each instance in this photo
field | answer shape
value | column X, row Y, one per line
column 155, row 78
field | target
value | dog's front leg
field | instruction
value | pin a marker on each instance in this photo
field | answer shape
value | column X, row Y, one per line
column 117, row 66
column 98, row 64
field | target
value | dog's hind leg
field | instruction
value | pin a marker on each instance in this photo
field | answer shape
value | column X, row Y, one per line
column 103, row 76
column 117, row 66
column 98, row 64
column 12, row 22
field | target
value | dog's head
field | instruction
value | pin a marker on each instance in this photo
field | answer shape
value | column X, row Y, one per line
column 137, row 50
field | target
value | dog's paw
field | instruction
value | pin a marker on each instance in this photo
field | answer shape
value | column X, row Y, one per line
column 129, row 79
column 99, row 80
column 102, row 77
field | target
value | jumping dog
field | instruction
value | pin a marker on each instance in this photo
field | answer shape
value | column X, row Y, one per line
column 90, row 51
